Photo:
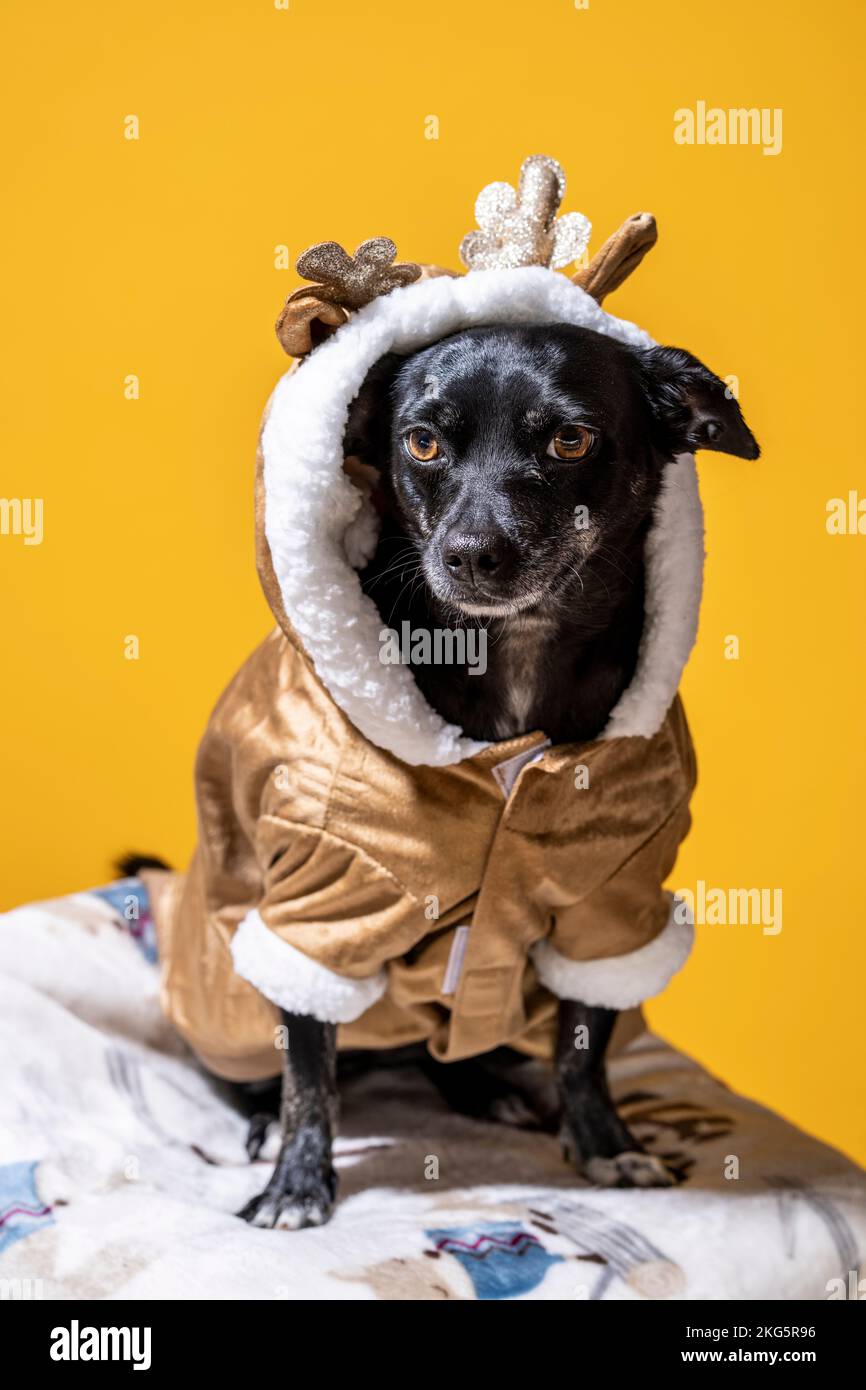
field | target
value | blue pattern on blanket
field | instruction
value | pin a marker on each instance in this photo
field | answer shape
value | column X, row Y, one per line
column 502, row 1258
column 130, row 901
column 22, row 1210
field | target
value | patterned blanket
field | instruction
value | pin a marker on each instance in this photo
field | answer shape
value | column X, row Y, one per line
column 122, row 1163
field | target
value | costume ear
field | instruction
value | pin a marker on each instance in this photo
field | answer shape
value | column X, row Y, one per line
column 693, row 408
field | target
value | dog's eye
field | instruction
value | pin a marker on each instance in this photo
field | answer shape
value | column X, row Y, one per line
column 422, row 445
column 571, row 442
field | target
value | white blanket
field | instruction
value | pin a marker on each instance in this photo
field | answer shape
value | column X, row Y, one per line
column 121, row 1165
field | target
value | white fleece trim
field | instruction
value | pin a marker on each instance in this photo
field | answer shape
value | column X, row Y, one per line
column 619, row 982
column 674, row 555
column 297, row 982
column 314, row 515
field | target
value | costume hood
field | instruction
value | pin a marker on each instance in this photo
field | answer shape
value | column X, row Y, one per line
column 316, row 529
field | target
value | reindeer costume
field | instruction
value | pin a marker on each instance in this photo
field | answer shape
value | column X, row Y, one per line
column 360, row 860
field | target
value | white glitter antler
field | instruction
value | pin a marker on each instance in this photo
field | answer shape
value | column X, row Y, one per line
column 519, row 228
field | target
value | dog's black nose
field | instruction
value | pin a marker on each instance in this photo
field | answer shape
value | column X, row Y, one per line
column 471, row 557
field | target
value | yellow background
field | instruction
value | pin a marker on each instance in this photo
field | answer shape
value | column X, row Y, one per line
column 262, row 126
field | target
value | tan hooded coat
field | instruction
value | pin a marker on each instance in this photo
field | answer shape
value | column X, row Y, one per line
column 360, row 860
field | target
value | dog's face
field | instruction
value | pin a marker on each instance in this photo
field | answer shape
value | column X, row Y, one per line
column 513, row 455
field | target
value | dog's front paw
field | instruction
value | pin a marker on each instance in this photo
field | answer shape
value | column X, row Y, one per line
column 632, row 1169
column 291, row 1209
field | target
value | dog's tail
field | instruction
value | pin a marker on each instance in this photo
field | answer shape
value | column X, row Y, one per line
column 131, row 865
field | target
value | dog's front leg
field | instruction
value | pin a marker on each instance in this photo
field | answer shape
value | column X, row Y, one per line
column 303, row 1185
column 593, row 1135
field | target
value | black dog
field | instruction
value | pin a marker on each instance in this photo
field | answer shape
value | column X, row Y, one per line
column 486, row 444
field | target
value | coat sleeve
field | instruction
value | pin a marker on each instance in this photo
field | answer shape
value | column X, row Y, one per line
column 623, row 942
column 329, row 919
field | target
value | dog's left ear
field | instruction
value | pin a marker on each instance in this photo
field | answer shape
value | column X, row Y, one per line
column 693, row 408
column 367, row 428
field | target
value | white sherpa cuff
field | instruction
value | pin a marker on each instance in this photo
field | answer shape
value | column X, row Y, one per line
column 296, row 982
column 620, row 982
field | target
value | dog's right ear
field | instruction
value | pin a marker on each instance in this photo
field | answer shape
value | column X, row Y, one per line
column 693, row 409
column 368, row 427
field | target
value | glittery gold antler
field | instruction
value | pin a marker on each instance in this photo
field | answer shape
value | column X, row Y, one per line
column 354, row 281
column 521, row 228
column 343, row 283
column 621, row 254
